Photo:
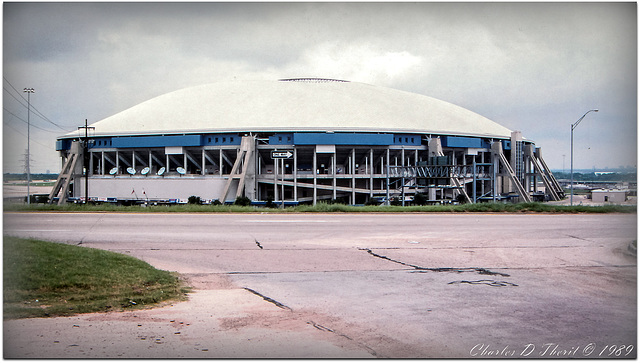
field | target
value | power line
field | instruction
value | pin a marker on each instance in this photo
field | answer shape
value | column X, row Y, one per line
column 21, row 119
column 37, row 112
column 18, row 131
column 14, row 97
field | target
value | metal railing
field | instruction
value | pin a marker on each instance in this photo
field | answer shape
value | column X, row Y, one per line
column 442, row 171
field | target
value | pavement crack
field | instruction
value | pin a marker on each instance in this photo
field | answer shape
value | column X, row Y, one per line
column 256, row 241
column 580, row 238
column 320, row 327
column 493, row 283
column 326, row 329
column 481, row 271
column 368, row 250
column 266, row 298
column 89, row 231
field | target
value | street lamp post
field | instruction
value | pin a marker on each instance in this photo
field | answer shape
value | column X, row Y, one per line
column 28, row 91
column 573, row 126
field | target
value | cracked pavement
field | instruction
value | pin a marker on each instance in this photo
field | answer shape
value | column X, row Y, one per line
column 352, row 285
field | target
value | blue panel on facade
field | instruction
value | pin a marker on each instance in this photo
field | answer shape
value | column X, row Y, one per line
column 506, row 144
column 102, row 142
column 64, row 144
column 342, row 139
column 457, row 141
column 407, row 139
column 221, row 139
column 156, row 141
column 281, row 139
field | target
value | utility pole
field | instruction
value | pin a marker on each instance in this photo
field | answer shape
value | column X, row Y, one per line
column 28, row 91
column 85, row 154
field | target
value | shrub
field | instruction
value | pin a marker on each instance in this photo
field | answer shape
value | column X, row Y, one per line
column 194, row 200
column 461, row 198
column 337, row 201
column 243, row 201
column 216, row 202
column 270, row 203
column 420, row 199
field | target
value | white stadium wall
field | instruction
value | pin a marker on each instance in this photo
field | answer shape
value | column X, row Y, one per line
column 126, row 188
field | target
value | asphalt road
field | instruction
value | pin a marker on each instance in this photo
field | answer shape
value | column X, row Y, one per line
column 371, row 285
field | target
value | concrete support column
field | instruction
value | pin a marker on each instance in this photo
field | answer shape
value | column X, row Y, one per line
column 474, row 181
column 353, row 176
column 90, row 167
column 333, row 171
column 283, row 171
column 295, row 174
column 403, row 180
column 221, row 161
column 204, row 163
column 527, row 176
column 482, row 184
column 371, row 173
column 494, row 160
column 387, row 173
column 275, row 180
column 315, row 177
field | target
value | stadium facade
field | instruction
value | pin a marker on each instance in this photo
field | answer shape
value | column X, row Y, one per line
column 299, row 140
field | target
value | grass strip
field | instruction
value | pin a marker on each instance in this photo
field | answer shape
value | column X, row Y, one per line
column 44, row 279
column 331, row 208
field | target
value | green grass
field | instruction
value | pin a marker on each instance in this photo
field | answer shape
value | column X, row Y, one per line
column 52, row 279
column 333, row 208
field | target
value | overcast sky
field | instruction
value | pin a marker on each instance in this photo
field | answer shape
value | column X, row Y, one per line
column 534, row 67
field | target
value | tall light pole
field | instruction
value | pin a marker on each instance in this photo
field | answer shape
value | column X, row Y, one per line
column 28, row 91
column 573, row 126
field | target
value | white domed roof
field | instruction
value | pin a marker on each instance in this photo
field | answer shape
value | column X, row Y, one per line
column 311, row 105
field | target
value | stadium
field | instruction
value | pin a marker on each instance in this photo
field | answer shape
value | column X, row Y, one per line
column 300, row 140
